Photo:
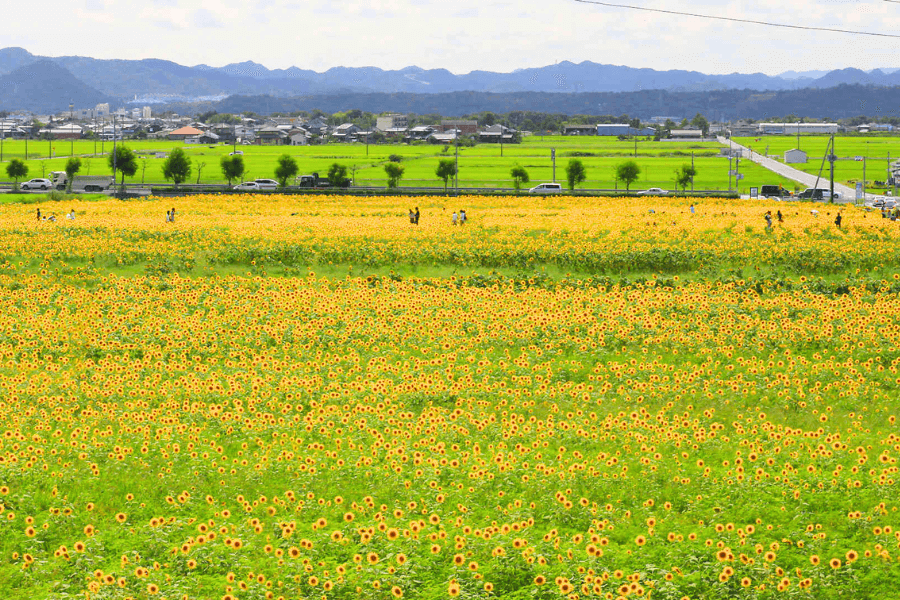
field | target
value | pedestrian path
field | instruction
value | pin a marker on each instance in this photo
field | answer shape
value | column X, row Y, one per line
column 801, row 177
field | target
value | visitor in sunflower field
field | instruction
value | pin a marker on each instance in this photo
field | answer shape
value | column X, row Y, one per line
column 768, row 219
column 453, row 218
column 780, row 217
column 71, row 215
column 412, row 217
column 462, row 217
column 417, row 216
column 38, row 214
column 838, row 219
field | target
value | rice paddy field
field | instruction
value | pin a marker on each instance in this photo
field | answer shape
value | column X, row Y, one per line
column 479, row 166
column 565, row 398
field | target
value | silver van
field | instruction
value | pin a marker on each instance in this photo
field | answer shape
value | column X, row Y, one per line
column 546, row 188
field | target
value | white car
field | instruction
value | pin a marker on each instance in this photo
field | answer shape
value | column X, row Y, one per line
column 546, row 188
column 247, row 186
column 653, row 192
column 37, row 184
column 236, row 153
column 267, row 184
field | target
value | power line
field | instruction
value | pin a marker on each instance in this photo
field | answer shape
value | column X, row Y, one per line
column 736, row 20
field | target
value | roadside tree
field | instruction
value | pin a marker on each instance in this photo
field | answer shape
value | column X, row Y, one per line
column 394, row 174
column 628, row 172
column 232, row 167
column 575, row 173
column 177, row 167
column 684, row 176
column 287, row 168
column 445, row 170
column 519, row 176
column 17, row 169
column 337, row 175
column 124, row 161
column 73, row 165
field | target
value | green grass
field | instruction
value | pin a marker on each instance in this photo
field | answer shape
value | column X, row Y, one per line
column 479, row 166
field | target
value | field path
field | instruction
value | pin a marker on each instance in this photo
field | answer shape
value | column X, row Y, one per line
column 807, row 179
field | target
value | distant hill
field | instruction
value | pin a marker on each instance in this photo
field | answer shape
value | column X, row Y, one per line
column 843, row 101
column 153, row 80
column 45, row 87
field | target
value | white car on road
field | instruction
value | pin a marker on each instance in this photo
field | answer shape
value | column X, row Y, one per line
column 247, row 186
column 653, row 192
column 546, row 188
column 37, row 184
column 267, row 184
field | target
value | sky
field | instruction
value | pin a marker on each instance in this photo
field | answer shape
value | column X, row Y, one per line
column 465, row 35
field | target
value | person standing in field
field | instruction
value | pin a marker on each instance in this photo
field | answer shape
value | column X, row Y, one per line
column 453, row 218
column 412, row 217
column 692, row 209
column 780, row 217
column 462, row 217
column 38, row 214
column 838, row 219
column 417, row 216
column 172, row 216
column 768, row 219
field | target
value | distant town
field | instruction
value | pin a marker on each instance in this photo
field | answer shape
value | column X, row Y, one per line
column 354, row 126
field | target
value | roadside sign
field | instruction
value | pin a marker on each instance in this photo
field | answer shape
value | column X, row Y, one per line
column 552, row 152
column 739, row 176
column 860, row 194
column 858, row 158
column 754, row 192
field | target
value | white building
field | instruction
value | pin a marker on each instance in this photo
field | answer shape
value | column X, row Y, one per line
column 102, row 110
column 791, row 128
column 146, row 113
column 795, row 156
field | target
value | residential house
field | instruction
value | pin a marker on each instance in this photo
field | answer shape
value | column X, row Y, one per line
column 298, row 137
column 465, row 126
column 421, row 132
column 497, row 133
column 392, row 121
column 346, row 132
column 183, row 133
column 271, row 136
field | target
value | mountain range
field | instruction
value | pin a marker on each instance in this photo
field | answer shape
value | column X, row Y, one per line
column 50, row 84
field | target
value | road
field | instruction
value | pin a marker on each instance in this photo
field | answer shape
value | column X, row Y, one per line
column 806, row 179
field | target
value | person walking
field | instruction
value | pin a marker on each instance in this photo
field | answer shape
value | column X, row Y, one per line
column 172, row 216
column 417, row 216
column 462, row 217
column 453, row 218
column 412, row 217
column 838, row 219
column 768, row 219
column 780, row 217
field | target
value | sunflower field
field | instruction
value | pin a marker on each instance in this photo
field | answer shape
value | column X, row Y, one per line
column 564, row 398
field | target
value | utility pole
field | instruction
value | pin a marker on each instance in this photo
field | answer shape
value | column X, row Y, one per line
column 692, row 170
column 831, row 159
column 114, row 153
column 456, row 139
column 553, row 157
column 864, row 178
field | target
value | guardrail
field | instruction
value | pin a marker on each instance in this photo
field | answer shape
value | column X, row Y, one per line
column 135, row 190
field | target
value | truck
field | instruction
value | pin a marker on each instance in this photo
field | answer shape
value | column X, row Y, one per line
column 774, row 191
column 818, row 194
column 82, row 183
column 314, row 181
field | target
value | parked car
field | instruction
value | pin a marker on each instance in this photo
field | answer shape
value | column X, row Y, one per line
column 37, row 184
column 818, row 194
column 653, row 192
column 546, row 188
column 236, row 153
column 773, row 191
column 267, row 184
column 247, row 186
